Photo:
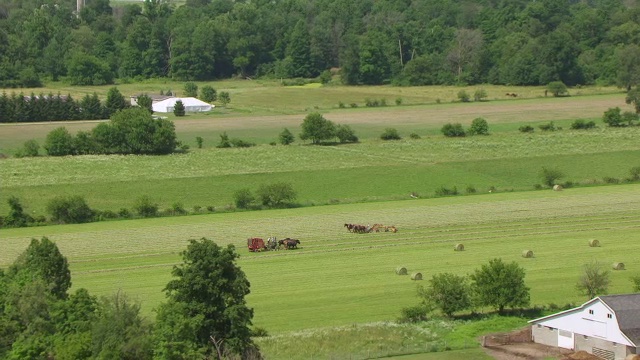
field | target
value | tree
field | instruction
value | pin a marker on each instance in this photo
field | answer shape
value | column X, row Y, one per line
column 594, row 280
column 278, row 195
column 224, row 98
column 557, row 88
column 298, row 51
column 208, row 94
column 43, row 259
column 613, row 117
column 190, row 89
column 479, row 126
column 69, row 210
column 115, row 101
column 550, row 176
column 463, row 96
column 633, row 97
column 480, row 95
column 135, row 131
column 178, row 108
column 500, row 285
column 244, row 198
column 628, row 66
column 448, row 292
column 59, row 142
column 145, row 102
column 465, row 48
column 86, row 69
column 16, row 216
column 316, row 128
column 345, row 134
column 224, row 141
column 206, row 303
column 286, row 137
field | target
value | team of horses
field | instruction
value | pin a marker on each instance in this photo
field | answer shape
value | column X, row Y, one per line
column 288, row 244
column 363, row 229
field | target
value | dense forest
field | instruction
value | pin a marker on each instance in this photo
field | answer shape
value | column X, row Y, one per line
column 403, row 42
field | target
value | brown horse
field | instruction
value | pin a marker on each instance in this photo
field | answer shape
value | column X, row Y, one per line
column 289, row 243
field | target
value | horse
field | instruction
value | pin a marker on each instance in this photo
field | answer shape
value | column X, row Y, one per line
column 291, row 243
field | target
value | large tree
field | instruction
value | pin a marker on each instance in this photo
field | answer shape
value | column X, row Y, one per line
column 206, row 306
column 499, row 285
column 594, row 280
column 316, row 128
column 448, row 292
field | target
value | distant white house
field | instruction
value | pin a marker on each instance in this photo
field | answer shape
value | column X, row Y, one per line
column 607, row 326
column 190, row 105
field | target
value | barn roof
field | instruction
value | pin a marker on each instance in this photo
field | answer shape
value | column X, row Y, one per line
column 627, row 309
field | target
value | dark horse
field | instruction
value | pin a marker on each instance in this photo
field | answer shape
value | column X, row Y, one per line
column 289, row 243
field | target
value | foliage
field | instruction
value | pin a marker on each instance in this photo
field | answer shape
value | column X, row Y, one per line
column 178, row 108
column 453, row 130
column 84, row 69
column 115, row 101
column 345, row 134
column 199, row 141
column 550, row 176
column 580, row 124
column 447, row 292
column 414, row 136
column 69, row 210
column 629, row 117
column 144, row 207
column 135, row 131
column 16, row 216
column 224, row 98
column 207, row 303
column 633, row 97
column 277, row 195
column 190, row 89
column 463, row 96
column 224, row 141
column 244, row 198
column 526, row 129
column 636, row 283
column 235, row 142
column 390, row 134
column 30, row 148
column 413, row 314
column 500, row 285
column 316, row 128
column 479, row 126
column 145, row 102
column 594, row 280
column 208, row 94
column 550, row 126
column 59, row 142
column 557, row 88
column 286, row 137
column 613, row 117
column 480, row 95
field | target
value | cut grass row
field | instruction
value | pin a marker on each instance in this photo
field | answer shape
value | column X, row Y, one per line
column 338, row 278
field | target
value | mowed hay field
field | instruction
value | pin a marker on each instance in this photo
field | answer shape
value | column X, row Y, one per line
column 339, row 278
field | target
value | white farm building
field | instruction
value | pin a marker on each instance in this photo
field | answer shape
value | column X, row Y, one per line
column 607, row 326
column 190, row 105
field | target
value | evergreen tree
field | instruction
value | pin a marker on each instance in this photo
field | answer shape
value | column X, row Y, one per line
column 299, row 51
column 178, row 108
column 115, row 102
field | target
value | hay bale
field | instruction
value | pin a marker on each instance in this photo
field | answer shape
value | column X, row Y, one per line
column 401, row 270
column 416, row 276
column 557, row 187
column 618, row 266
column 594, row 243
column 458, row 247
column 527, row 254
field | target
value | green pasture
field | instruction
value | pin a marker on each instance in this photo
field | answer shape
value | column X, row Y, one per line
column 370, row 171
column 338, row 278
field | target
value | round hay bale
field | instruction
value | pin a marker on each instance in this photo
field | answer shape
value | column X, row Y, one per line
column 416, row 276
column 401, row 270
column 527, row 254
column 557, row 187
column 459, row 247
column 594, row 243
column 618, row 266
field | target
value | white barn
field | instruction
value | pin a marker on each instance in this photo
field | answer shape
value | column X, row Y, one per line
column 607, row 326
column 190, row 105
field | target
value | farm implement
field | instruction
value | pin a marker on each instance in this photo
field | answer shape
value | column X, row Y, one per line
column 258, row 244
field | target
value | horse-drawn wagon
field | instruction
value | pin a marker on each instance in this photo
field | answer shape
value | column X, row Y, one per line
column 255, row 244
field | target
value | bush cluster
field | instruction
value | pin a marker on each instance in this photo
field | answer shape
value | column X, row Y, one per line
column 453, row 130
column 375, row 102
column 390, row 134
column 277, row 195
column 583, row 125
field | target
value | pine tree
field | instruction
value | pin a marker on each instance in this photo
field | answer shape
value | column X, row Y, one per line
column 178, row 108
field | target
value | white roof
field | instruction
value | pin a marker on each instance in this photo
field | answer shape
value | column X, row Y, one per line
column 190, row 105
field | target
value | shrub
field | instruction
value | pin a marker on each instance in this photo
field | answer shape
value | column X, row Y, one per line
column 286, row 137
column 610, row 180
column 178, row 208
column 399, row 101
column 190, row 89
column 278, row 195
column 550, row 176
column 443, row 191
column 453, row 130
column 390, row 134
column 635, row 173
column 244, row 199
column 59, row 142
column 224, row 141
column 69, row 210
column 16, row 216
column 145, row 208
column 124, row 213
column 580, row 124
column 30, row 148
column 199, row 141
column 371, row 103
column 548, row 127
column 353, row 105
column 208, row 94
column 341, row 105
column 479, row 126
column 414, row 136
column 612, row 117
column 629, row 117
column 345, row 134
column 471, row 189
column 557, row 88
column 480, row 95
column 526, row 129
column 463, row 96
column 413, row 314
column 224, row 98
column 325, row 77
column 241, row 143
column 178, row 108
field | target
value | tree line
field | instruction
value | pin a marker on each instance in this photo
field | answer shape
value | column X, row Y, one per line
column 515, row 42
column 41, row 319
